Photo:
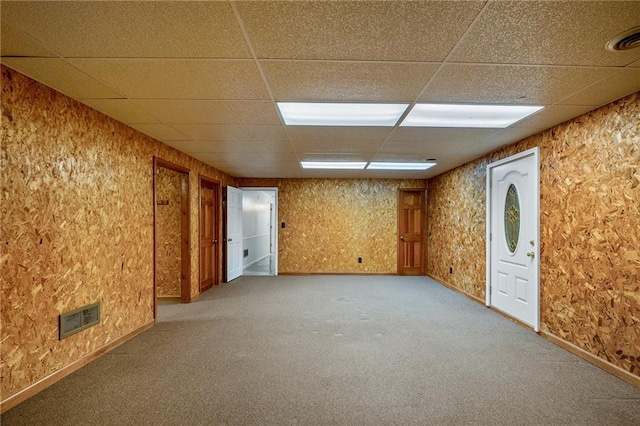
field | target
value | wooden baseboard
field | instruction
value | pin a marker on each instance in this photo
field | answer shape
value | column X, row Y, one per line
column 170, row 298
column 45, row 382
column 456, row 289
column 587, row 356
column 593, row 359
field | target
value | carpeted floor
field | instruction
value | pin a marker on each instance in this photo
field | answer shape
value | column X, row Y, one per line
column 334, row 350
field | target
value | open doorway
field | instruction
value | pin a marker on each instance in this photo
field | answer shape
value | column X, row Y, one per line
column 171, row 224
column 260, row 231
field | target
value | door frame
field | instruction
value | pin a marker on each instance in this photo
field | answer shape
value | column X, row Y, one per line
column 423, row 224
column 275, row 227
column 185, row 255
column 535, row 152
column 216, row 225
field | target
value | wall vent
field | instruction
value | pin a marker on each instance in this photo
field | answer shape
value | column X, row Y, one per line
column 75, row 321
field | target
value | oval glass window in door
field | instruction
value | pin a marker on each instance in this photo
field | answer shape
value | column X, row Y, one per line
column 512, row 218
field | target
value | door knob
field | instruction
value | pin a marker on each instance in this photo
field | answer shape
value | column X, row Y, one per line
column 531, row 254
column 230, row 239
column 402, row 237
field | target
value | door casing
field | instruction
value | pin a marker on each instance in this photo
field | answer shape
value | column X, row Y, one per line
column 216, row 229
column 418, row 240
column 492, row 216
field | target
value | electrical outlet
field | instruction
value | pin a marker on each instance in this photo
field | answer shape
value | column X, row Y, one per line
column 359, row 260
column 451, row 269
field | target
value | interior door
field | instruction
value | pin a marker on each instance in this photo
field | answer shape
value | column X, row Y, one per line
column 410, row 232
column 208, row 234
column 514, row 230
column 234, row 233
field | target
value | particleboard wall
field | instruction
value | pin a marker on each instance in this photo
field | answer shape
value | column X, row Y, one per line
column 76, row 226
column 168, row 231
column 332, row 222
column 590, row 232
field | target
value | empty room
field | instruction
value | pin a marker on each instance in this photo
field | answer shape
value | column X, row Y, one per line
column 320, row 212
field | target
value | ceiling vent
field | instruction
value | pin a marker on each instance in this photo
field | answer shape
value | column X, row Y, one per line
column 625, row 41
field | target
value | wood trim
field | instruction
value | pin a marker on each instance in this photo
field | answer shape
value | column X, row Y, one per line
column 218, row 205
column 423, row 224
column 45, row 382
column 170, row 298
column 568, row 346
column 593, row 359
column 456, row 289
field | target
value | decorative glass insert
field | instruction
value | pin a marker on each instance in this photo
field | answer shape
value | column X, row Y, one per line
column 512, row 218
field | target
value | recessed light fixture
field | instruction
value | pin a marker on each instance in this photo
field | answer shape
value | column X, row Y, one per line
column 458, row 115
column 340, row 114
column 383, row 165
column 341, row 165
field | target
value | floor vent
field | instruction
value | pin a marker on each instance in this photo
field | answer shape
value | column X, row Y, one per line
column 75, row 321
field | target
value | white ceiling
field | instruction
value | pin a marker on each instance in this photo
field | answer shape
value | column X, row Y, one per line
column 204, row 76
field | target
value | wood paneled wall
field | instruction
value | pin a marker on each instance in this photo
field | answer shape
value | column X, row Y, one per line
column 168, row 231
column 76, row 226
column 590, row 230
column 329, row 223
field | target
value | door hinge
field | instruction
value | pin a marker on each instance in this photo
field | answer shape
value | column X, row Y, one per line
column 490, row 236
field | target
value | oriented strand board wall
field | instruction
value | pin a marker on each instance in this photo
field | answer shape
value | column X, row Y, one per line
column 168, row 231
column 332, row 222
column 76, row 226
column 590, row 232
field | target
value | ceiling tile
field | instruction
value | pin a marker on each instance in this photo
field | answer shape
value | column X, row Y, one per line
column 439, row 134
column 517, row 84
column 390, row 31
column 290, row 173
column 549, row 32
column 61, row 76
column 551, row 116
column 423, row 150
column 123, row 110
column 346, row 81
column 337, row 134
column 212, row 112
column 161, row 132
column 335, row 147
column 615, row 86
column 504, row 137
column 212, row 132
column 132, row 29
column 17, row 43
column 274, row 147
column 178, row 78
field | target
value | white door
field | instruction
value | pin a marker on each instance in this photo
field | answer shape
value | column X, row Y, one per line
column 234, row 233
column 513, row 249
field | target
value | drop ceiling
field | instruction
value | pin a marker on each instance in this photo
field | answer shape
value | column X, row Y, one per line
column 204, row 77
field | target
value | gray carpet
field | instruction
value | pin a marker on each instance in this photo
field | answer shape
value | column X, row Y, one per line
column 334, row 350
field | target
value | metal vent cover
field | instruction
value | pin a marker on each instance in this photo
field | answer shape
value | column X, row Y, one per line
column 75, row 321
column 625, row 41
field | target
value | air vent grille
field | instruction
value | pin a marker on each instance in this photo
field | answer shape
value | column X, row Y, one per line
column 75, row 321
column 625, row 41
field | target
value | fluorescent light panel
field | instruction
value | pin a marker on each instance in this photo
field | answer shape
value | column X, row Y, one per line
column 456, row 115
column 341, row 165
column 340, row 114
column 381, row 165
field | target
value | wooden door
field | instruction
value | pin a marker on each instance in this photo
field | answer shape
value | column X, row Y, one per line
column 514, row 229
column 410, row 232
column 208, row 234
